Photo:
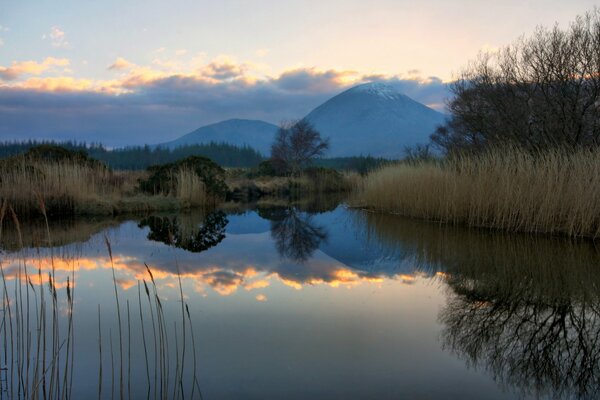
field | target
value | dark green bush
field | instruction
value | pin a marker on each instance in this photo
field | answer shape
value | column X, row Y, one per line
column 163, row 178
column 54, row 153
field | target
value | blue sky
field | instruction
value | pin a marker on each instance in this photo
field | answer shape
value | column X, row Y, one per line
column 131, row 72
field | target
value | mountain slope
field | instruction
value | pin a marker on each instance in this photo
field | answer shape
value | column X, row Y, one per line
column 374, row 119
column 239, row 132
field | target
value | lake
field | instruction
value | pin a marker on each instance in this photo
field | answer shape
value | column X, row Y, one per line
column 296, row 301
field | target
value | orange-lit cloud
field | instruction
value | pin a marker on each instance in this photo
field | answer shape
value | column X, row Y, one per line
column 197, row 71
column 121, row 64
column 221, row 280
column 261, row 297
column 18, row 68
column 260, row 284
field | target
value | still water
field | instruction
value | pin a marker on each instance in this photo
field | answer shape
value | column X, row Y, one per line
column 299, row 301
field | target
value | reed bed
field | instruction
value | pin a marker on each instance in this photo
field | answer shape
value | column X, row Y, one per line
column 71, row 187
column 63, row 185
column 37, row 336
column 190, row 188
column 552, row 192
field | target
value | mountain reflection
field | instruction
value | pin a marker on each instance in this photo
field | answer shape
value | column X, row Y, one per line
column 526, row 309
column 192, row 232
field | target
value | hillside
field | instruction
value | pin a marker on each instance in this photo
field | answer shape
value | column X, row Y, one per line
column 374, row 119
column 239, row 132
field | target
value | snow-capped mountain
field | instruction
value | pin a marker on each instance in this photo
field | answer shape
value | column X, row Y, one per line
column 240, row 132
column 374, row 119
column 370, row 119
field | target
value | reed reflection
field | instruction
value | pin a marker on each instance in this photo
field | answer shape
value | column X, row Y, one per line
column 525, row 309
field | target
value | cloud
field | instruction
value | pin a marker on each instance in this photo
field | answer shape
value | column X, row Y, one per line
column 17, row 69
column 57, row 37
column 181, row 52
column 170, row 98
column 314, row 80
column 121, row 64
column 260, row 284
column 223, row 69
column 58, row 84
column 1, row 42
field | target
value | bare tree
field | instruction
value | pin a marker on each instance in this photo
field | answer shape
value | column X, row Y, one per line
column 539, row 92
column 296, row 144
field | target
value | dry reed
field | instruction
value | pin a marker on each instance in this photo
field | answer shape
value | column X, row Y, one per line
column 37, row 358
column 67, row 187
column 61, row 185
column 555, row 192
column 190, row 188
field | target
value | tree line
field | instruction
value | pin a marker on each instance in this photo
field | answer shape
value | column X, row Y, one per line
column 142, row 157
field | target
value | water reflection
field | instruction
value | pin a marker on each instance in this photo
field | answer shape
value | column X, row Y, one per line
column 295, row 233
column 194, row 232
column 525, row 309
column 522, row 310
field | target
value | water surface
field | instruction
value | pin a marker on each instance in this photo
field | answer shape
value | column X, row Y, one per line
column 316, row 301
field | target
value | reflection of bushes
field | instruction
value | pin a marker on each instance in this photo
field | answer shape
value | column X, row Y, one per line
column 194, row 233
column 63, row 231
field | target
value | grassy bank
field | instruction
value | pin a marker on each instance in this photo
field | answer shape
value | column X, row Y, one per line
column 555, row 192
column 71, row 187
column 248, row 186
column 58, row 181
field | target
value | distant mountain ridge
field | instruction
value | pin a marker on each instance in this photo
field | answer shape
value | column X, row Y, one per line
column 369, row 119
column 254, row 133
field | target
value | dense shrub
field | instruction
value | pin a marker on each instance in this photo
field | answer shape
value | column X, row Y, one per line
column 56, row 154
column 163, row 178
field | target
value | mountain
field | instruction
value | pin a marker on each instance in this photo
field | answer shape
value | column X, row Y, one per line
column 371, row 119
column 374, row 119
column 254, row 133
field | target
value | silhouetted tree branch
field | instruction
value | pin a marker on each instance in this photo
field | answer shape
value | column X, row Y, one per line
column 540, row 92
column 296, row 144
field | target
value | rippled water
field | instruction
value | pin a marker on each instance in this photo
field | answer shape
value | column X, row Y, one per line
column 303, row 301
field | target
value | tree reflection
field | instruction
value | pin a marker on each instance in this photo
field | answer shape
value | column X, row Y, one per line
column 295, row 234
column 194, row 233
column 537, row 346
column 524, row 308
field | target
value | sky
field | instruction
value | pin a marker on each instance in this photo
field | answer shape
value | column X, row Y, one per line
column 125, row 72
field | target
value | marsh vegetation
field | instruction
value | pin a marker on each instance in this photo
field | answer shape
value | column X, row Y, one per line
column 554, row 191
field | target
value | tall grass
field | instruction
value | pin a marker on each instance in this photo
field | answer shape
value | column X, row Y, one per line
column 37, row 336
column 62, row 185
column 555, row 191
column 190, row 188
column 70, row 187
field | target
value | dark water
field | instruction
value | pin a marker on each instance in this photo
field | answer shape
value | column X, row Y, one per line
column 316, row 301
